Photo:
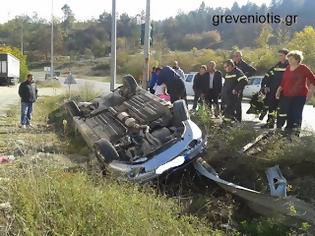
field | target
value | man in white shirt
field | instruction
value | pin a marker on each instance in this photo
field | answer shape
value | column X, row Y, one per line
column 178, row 70
column 215, row 86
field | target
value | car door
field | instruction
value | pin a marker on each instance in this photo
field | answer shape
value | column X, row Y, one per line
column 252, row 87
column 256, row 85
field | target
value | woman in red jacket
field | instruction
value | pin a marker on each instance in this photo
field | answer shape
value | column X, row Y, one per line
column 292, row 92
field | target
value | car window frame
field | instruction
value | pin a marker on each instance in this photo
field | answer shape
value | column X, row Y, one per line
column 190, row 77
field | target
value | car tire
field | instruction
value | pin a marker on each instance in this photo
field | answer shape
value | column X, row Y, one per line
column 130, row 83
column 105, row 151
column 180, row 111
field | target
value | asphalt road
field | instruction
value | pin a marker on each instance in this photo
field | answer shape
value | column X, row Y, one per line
column 9, row 96
column 308, row 123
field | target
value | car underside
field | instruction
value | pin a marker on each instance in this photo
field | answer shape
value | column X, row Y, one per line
column 136, row 134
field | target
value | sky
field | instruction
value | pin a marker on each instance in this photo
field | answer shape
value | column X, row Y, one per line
column 88, row 9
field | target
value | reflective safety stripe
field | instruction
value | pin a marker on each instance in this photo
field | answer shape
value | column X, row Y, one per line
column 230, row 76
column 279, row 69
column 267, row 74
column 242, row 77
column 271, row 72
column 273, row 114
column 282, row 115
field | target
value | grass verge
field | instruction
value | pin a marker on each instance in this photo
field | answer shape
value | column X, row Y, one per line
column 48, row 84
column 46, row 200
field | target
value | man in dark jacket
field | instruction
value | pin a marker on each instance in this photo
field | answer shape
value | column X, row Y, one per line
column 175, row 86
column 232, row 91
column 214, row 86
column 247, row 69
column 199, row 85
column 28, row 94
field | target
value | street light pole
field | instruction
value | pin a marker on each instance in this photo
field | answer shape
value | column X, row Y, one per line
column 146, row 46
column 113, row 47
column 52, row 41
column 22, row 35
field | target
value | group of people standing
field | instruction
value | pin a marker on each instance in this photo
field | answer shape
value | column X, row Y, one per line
column 209, row 86
column 285, row 86
column 288, row 96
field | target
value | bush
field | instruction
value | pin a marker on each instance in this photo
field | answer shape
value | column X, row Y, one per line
column 105, row 67
column 261, row 58
column 134, row 66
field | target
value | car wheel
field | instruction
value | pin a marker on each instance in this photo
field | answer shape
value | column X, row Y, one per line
column 105, row 151
column 130, row 83
column 180, row 111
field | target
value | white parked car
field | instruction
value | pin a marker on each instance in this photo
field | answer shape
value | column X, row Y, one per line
column 189, row 80
column 253, row 86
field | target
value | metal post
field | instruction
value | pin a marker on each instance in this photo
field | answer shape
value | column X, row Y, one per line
column 52, row 41
column 22, row 36
column 146, row 47
column 113, row 47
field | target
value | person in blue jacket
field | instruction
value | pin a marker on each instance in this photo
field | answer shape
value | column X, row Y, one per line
column 154, row 77
column 175, row 86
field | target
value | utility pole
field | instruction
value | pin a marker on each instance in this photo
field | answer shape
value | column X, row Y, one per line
column 22, row 35
column 113, row 47
column 146, row 47
column 52, row 41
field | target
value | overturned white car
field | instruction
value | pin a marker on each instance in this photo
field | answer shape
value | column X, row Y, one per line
column 136, row 134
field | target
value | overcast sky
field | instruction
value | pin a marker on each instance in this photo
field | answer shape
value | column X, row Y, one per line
column 88, row 9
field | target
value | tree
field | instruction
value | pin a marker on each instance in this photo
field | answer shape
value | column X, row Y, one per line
column 264, row 36
column 68, row 18
column 305, row 41
column 282, row 35
column 202, row 6
column 105, row 20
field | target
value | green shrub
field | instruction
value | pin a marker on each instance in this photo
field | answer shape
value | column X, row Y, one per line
column 263, row 227
column 134, row 66
column 105, row 67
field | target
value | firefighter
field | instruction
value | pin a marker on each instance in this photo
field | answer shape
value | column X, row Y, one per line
column 247, row 69
column 232, row 91
column 270, row 84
